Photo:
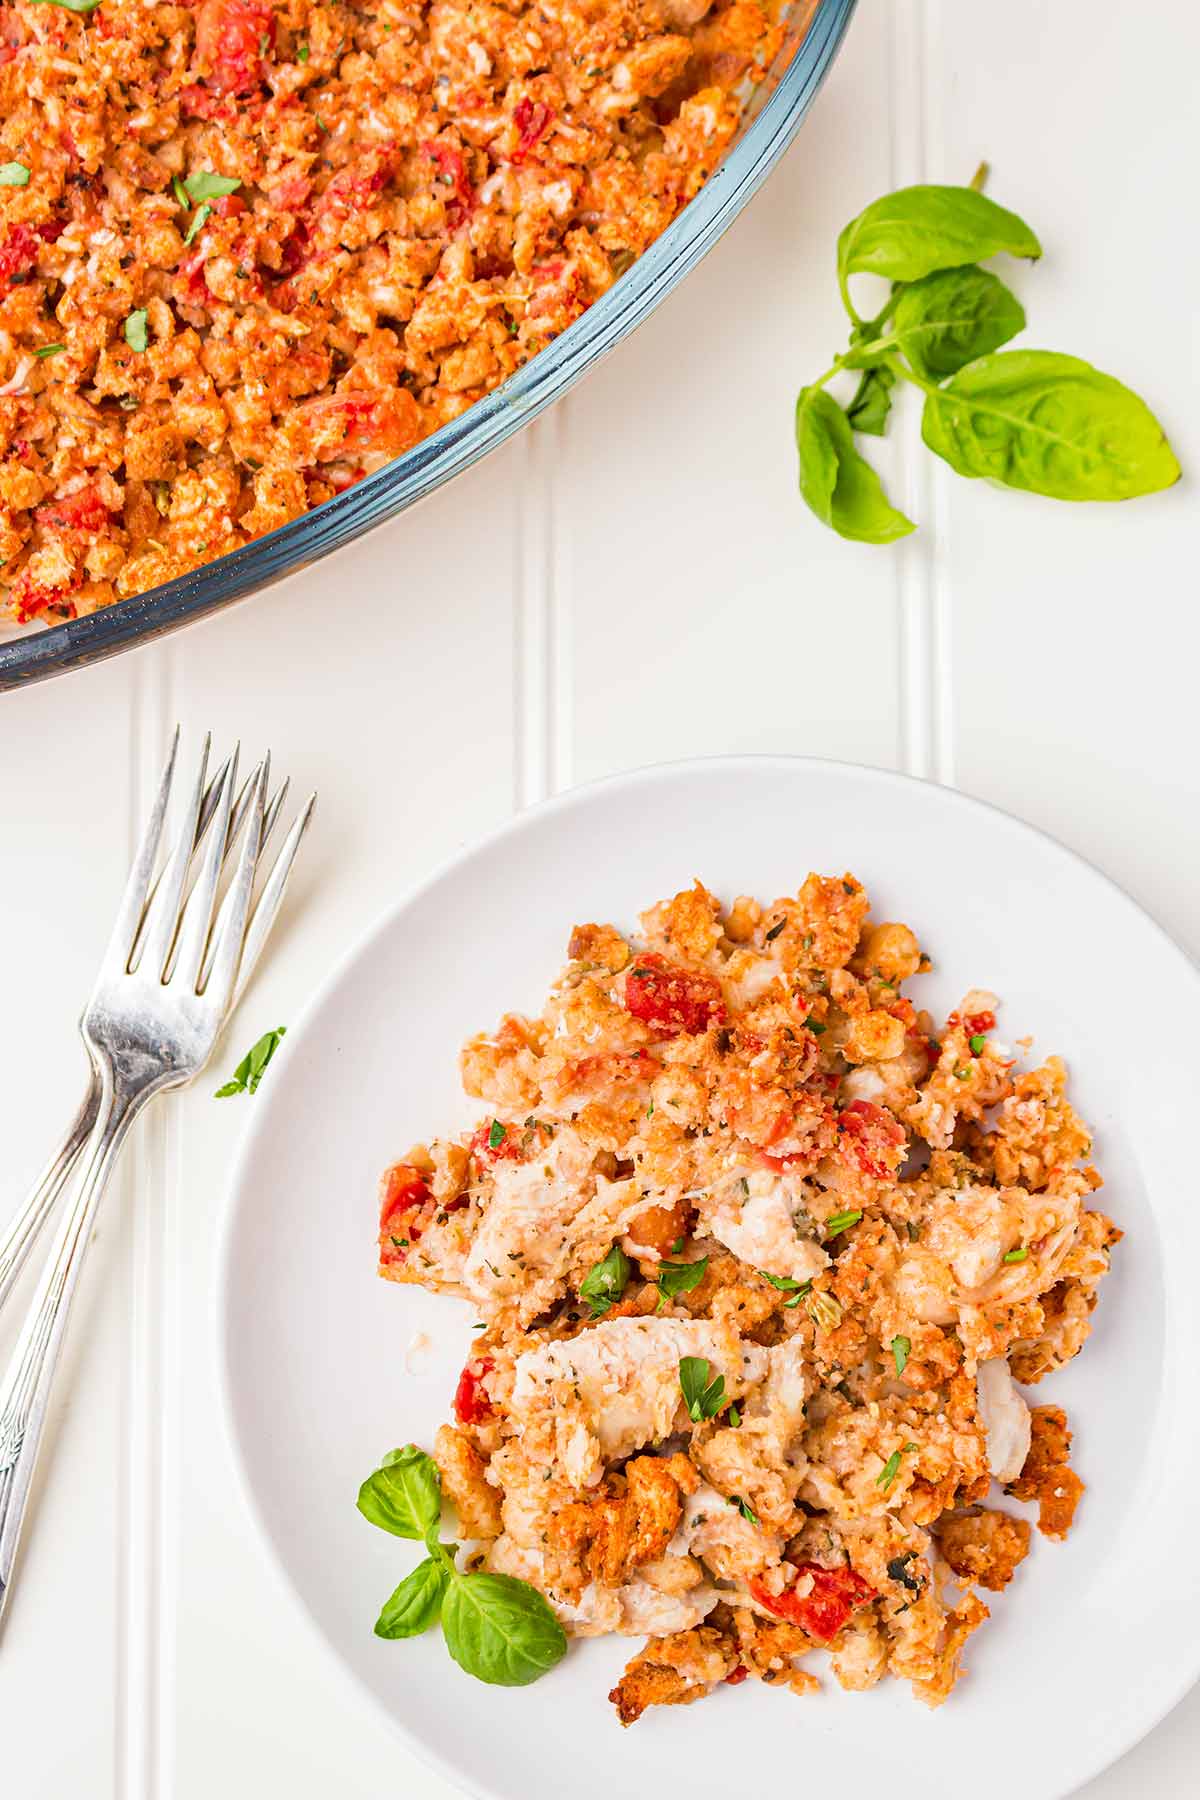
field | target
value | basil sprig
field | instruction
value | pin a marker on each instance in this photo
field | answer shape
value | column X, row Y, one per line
column 1031, row 419
column 678, row 1278
column 497, row 1628
column 702, row 1397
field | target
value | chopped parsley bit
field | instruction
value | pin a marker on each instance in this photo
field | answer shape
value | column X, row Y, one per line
column 253, row 1065
column 135, row 330
column 678, row 1278
column 1015, row 1256
column 496, row 1135
column 677, row 1246
column 816, row 1027
column 962, row 1074
column 734, row 1416
column 204, row 185
column 887, row 1474
column 14, row 174
column 180, row 192
column 650, row 1110
column 978, row 1043
column 482, row 1326
column 775, row 930
column 784, row 1282
column 841, row 1222
column 605, row 1282
column 400, row 1243
column 302, row 53
column 49, row 349
column 801, row 1293
column 703, row 1398
column 901, row 1351
column 746, row 1510
column 203, row 215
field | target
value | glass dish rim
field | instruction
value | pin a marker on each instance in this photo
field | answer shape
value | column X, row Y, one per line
column 485, row 425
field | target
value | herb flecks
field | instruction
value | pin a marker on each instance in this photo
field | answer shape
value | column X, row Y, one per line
column 605, row 1282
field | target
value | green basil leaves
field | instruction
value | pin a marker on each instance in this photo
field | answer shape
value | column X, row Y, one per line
column 501, row 1630
column 679, row 1278
column 605, row 1282
column 1050, row 424
column 497, row 1628
column 702, row 1397
column 253, row 1065
column 1030, row 419
column 839, row 485
column 916, row 230
column 404, row 1495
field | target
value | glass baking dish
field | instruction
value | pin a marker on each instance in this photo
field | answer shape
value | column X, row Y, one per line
column 773, row 116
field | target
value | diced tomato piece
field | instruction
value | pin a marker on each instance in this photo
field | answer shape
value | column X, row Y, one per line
column 736, row 1676
column 405, row 1192
column 83, row 510
column 452, row 172
column 824, row 1609
column 471, row 1404
column 974, row 1023
column 21, row 243
column 872, row 1139
column 232, row 37
column 29, row 598
column 671, row 999
column 357, row 185
column 342, row 424
column 531, row 118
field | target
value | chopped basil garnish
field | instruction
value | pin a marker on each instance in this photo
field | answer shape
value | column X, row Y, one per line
column 496, row 1135
column 136, row 335
column 978, row 1044
column 744, row 1508
column 203, row 215
column 49, row 349
column 783, row 1282
column 816, row 1027
column 252, row 1067
column 14, row 174
column 703, row 1398
column 901, row 1351
column 841, row 1222
column 302, row 53
column 679, row 1278
column 1015, row 1256
column 605, row 1282
column 776, row 929
column 204, row 185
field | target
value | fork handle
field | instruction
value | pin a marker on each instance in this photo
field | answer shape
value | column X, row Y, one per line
column 25, row 1389
column 40, row 1202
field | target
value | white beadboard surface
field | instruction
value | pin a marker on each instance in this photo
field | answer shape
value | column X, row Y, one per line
column 632, row 579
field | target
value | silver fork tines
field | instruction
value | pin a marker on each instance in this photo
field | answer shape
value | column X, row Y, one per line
column 176, row 964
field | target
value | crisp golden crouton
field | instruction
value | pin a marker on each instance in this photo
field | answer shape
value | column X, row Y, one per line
column 984, row 1547
column 465, row 1484
column 673, row 1671
column 1046, row 1477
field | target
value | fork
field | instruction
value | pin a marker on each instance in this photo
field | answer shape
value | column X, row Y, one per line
column 174, row 964
column 18, row 1240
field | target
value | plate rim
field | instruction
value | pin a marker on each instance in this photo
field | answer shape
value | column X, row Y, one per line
column 514, row 826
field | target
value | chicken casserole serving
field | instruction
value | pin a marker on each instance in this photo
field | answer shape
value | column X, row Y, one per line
column 759, row 1257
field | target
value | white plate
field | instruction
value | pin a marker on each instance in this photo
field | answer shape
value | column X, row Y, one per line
column 1093, row 1641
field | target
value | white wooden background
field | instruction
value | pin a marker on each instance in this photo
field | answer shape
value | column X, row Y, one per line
column 633, row 579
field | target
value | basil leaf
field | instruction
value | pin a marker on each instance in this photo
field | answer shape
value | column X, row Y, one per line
column 783, row 1282
column 403, row 1495
column 835, row 481
column 916, row 230
column 605, row 1281
column 14, row 174
column 501, row 1630
column 75, row 6
column 415, row 1605
column 1050, row 424
column 252, row 1067
column 137, row 338
column 901, row 1351
column 204, row 185
column 199, row 220
column 680, row 1278
column 702, row 1397
column 868, row 410
column 948, row 319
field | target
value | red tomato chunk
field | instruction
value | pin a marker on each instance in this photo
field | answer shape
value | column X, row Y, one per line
column 871, row 1138
column 405, row 1192
column 671, row 999
column 471, row 1404
column 825, row 1608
